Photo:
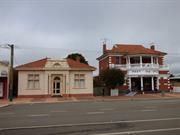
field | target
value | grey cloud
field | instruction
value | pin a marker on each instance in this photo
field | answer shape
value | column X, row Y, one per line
column 81, row 25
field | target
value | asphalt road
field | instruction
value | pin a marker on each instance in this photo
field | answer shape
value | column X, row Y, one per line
column 150, row 117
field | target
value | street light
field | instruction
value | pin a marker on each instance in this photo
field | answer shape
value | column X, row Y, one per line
column 11, row 47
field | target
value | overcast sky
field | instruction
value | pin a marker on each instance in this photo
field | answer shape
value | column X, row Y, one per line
column 55, row 28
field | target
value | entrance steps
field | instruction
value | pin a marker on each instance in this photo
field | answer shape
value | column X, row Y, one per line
column 131, row 93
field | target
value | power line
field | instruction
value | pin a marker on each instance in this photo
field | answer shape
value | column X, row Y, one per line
column 67, row 49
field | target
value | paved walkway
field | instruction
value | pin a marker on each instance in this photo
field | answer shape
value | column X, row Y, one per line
column 156, row 96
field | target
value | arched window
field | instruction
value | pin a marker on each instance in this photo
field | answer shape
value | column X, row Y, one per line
column 56, row 79
column 56, row 65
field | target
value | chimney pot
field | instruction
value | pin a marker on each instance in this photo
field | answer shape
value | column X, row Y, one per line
column 104, row 48
column 152, row 47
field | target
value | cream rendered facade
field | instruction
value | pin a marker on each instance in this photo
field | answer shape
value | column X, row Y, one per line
column 57, row 78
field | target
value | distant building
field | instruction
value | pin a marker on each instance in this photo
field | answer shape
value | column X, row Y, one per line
column 4, row 69
column 175, row 83
column 50, row 77
column 144, row 68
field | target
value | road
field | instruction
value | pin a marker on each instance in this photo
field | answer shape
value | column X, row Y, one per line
column 149, row 117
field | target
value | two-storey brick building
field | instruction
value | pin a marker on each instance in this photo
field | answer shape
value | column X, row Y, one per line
column 144, row 68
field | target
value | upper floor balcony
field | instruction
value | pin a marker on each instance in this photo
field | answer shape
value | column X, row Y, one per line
column 139, row 66
column 140, row 69
column 147, row 65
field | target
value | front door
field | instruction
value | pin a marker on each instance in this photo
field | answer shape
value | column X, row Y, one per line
column 56, row 86
column 136, row 84
column 1, row 89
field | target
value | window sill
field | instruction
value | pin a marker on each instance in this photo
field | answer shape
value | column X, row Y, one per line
column 79, row 88
column 34, row 89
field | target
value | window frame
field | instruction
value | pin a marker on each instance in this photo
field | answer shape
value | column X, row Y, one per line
column 35, row 78
column 79, row 81
column 117, row 60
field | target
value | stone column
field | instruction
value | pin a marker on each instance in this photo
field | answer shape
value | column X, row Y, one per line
column 130, row 83
column 151, row 61
column 142, row 88
column 129, row 61
column 157, row 83
column 141, row 61
column 152, row 83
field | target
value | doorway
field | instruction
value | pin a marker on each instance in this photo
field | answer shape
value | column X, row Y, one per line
column 136, row 84
column 147, row 84
column 57, row 86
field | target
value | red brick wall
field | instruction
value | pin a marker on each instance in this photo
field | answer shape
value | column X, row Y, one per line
column 123, row 60
column 163, row 72
column 163, row 84
column 124, row 87
column 103, row 64
column 160, row 60
column 113, row 59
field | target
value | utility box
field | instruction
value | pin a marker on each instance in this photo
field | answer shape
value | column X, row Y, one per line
column 114, row 92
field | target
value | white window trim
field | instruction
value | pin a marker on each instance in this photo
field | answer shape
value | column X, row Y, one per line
column 33, row 82
column 78, row 79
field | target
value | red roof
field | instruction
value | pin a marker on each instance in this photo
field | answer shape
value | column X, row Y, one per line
column 40, row 64
column 134, row 49
column 35, row 64
column 76, row 64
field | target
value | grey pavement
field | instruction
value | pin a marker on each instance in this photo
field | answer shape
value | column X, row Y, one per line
column 118, row 117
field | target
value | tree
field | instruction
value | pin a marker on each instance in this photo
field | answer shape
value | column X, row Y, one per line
column 112, row 78
column 77, row 56
column 97, row 82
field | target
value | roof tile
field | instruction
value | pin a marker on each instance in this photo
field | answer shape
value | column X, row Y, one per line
column 77, row 64
column 133, row 49
column 40, row 64
column 35, row 64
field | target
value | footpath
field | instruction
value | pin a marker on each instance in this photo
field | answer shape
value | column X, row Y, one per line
column 157, row 96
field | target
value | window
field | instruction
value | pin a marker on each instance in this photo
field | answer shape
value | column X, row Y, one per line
column 33, row 81
column 56, row 65
column 79, row 81
column 117, row 60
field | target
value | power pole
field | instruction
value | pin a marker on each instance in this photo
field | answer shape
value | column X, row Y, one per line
column 11, row 72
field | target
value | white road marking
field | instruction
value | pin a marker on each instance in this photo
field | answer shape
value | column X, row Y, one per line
column 91, row 113
column 57, row 111
column 86, row 124
column 38, row 115
column 8, row 113
column 148, row 110
column 151, row 107
column 106, row 109
column 140, row 131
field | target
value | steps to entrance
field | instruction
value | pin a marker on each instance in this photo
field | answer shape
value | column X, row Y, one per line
column 132, row 93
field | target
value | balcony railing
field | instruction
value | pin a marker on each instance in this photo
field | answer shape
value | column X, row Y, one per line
column 143, row 71
column 163, row 67
column 139, row 66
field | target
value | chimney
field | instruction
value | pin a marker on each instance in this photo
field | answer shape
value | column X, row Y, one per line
column 152, row 47
column 104, row 48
